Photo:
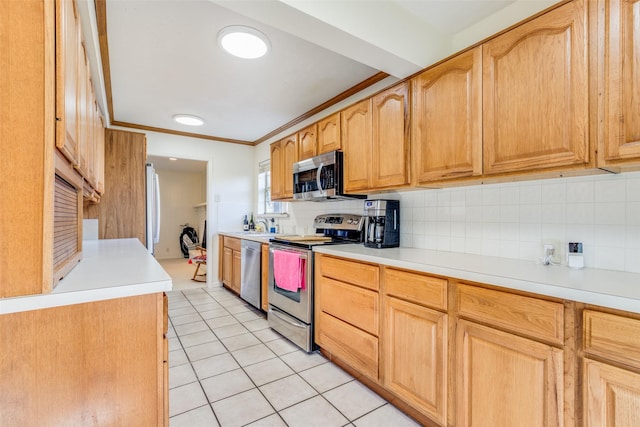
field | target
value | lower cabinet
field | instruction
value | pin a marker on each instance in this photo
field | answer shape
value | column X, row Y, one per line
column 231, row 263
column 456, row 354
column 504, row 380
column 99, row 363
column 415, row 355
column 612, row 396
column 347, row 312
column 612, row 384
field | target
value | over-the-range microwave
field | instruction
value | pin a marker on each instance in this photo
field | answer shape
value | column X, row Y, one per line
column 320, row 178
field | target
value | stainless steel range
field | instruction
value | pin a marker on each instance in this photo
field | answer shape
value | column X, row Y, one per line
column 291, row 274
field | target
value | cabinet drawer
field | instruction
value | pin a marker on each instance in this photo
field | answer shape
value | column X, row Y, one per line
column 353, row 272
column 416, row 287
column 612, row 336
column 356, row 306
column 232, row 242
column 530, row 316
column 357, row 348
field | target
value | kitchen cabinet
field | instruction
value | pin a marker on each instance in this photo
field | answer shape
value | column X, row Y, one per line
column 535, row 97
column 414, row 341
column 80, row 130
column 356, row 132
column 611, row 379
column 391, row 138
column 505, row 380
column 347, row 312
column 446, row 120
column 308, row 142
column 97, row 363
column 375, row 141
column 68, row 38
column 27, row 138
column 503, row 345
column 284, row 154
column 329, row 136
column 231, row 263
column 619, row 84
column 121, row 212
column 277, row 174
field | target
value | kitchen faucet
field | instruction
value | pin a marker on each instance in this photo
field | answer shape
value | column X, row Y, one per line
column 264, row 222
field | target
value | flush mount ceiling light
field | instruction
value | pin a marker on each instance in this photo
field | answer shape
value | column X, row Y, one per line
column 243, row 42
column 189, row 120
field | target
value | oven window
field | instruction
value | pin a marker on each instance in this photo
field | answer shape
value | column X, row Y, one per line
column 295, row 296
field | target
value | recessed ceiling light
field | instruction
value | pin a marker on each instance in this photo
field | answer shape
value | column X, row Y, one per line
column 189, row 120
column 243, row 42
column 173, row 159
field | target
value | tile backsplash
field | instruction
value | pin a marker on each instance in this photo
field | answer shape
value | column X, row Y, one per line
column 512, row 220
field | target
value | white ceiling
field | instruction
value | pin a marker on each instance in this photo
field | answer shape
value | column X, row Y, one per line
column 164, row 57
column 178, row 165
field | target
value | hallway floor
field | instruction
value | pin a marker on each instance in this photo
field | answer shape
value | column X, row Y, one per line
column 228, row 368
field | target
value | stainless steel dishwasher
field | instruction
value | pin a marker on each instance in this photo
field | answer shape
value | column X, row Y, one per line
column 251, row 268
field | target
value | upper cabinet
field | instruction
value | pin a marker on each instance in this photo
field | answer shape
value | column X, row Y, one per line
column 69, row 42
column 329, row 137
column 375, row 141
column 308, row 142
column 284, row 154
column 277, row 182
column 535, row 94
column 447, row 120
column 356, row 144
column 80, row 130
column 620, row 83
column 390, row 149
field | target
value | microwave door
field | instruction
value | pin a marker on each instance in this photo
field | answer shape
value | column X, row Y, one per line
column 321, row 190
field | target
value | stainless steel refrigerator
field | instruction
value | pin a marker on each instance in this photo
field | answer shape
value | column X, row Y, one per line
column 153, row 208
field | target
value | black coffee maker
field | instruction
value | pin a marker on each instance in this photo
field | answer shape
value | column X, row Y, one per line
column 382, row 223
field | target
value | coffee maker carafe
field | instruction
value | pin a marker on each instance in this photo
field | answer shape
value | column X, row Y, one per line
column 382, row 223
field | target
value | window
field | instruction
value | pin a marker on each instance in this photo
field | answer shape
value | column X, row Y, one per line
column 265, row 205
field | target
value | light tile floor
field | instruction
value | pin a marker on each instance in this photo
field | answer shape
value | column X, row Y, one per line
column 228, row 368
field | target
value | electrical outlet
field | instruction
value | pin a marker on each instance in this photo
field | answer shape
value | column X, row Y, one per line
column 550, row 251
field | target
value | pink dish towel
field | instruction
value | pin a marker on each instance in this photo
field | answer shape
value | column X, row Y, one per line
column 288, row 270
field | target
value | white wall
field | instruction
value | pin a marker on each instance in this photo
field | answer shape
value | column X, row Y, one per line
column 512, row 220
column 179, row 193
column 230, row 182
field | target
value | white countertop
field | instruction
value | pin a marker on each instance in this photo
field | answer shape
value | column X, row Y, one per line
column 607, row 288
column 111, row 268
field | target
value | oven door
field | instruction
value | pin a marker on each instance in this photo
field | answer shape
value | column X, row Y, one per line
column 297, row 304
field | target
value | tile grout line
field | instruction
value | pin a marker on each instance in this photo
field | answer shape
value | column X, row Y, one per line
column 277, row 356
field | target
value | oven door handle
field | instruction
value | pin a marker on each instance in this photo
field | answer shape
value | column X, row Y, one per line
column 303, row 254
column 287, row 319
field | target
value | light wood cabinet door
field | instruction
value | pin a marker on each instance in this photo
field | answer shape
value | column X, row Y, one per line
column 308, row 142
column 227, row 266
column 621, row 85
column 414, row 349
column 329, row 136
column 535, row 94
column 67, row 66
column 504, row 380
column 612, row 396
column 99, row 363
column 277, row 174
column 237, row 271
column 356, row 143
column 446, row 120
column 390, row 138
column 289, row 157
